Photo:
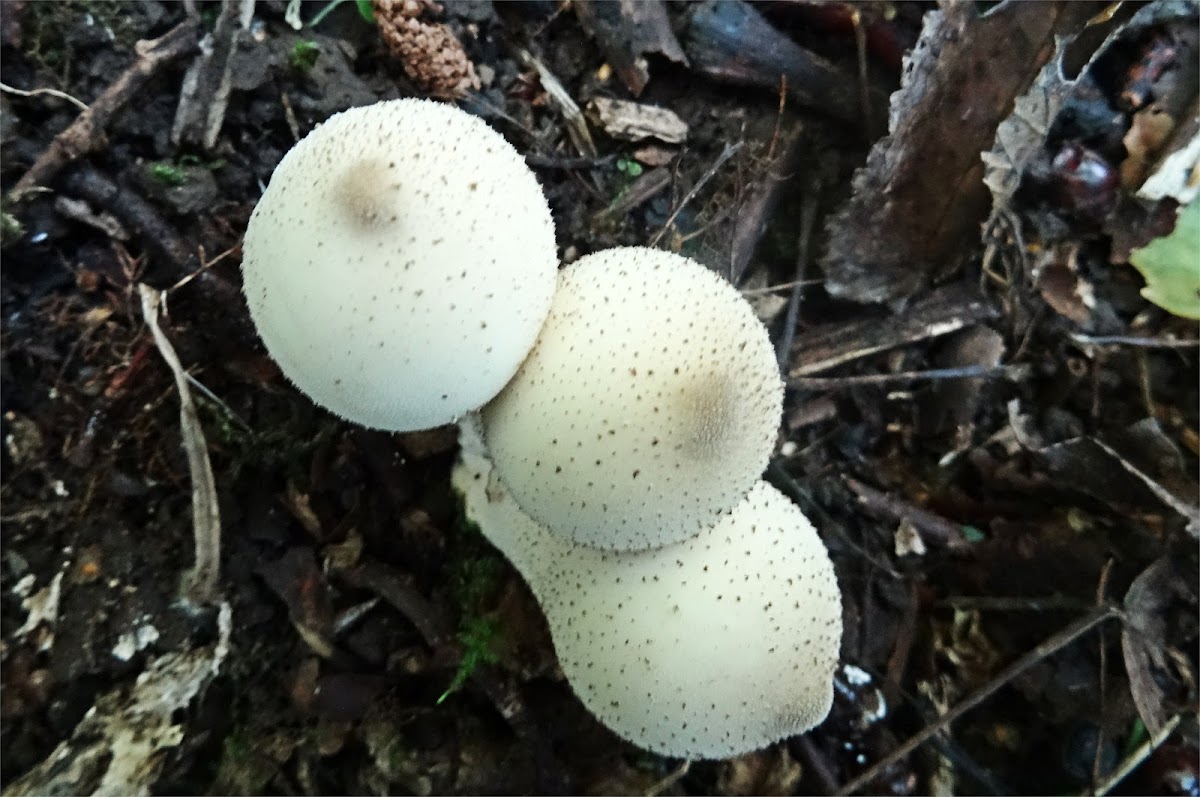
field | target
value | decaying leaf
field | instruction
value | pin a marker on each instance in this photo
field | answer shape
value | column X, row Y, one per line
column 297, row 580
column 1130, row 468
column 1171, row 266
column 1143, row 641
column 1021, row 136
column 1177, row 174
column 918, row 202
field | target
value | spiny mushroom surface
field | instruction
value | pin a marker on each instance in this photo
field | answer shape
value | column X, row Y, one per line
column 400, row 264
column 647, row 408
column 708, row 648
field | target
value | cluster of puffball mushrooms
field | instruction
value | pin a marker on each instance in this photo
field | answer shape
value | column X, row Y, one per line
column 615, row 417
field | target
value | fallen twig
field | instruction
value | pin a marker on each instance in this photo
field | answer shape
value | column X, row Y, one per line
column 1013, row 372
column 670, row 780
column 199, row 585
column 1047, row 648
column 62, row 95
column 808, row 219
column 1137, row 757
column 1132, row 340
column 783, row 286
column 85, row 134
column 932, row 528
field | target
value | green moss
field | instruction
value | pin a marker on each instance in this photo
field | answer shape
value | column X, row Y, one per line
column 478, row 637
column 168, row 174
column 304, row 55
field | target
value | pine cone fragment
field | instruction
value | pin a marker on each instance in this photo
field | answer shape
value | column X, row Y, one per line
column 428, row 51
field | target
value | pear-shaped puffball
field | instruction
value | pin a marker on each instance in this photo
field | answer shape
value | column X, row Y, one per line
column 400, row 264
column 708, row 648
column 647, row 408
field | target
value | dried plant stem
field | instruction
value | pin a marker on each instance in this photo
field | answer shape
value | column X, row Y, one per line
column 199, row 587
column 62, row 95
column 1137, row 757
column 966, row 372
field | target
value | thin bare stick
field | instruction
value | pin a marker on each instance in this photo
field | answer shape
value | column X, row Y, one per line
column 1042, row 651
column 86, row 133
column 864, row 84
column 808, row 219
column 1133, row 340
column 1097, row 759
column 783, row 286
column 1014, row 372
column 670, row 780
column 1137, row 757
column 199, row 586
column 203, row 267
column 727, row 153
column 62, row 95
column 778, row 116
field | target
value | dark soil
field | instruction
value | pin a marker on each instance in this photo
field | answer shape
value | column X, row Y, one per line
column 330, row 690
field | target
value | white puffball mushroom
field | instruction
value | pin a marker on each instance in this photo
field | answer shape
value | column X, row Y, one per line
column 400, row 264
column 708, row 648
column 647, row 408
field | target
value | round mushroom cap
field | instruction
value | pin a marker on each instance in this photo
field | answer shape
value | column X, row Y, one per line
column 647, row 408
column 709, row 648
column 400, row 264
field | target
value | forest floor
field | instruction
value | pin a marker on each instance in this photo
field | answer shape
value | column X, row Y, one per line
column 994, row 432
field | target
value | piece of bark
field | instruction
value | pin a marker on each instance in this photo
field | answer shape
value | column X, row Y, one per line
column 934, row 530
column 761, row 201
column 577, row 127
column 206, row 86
column 634, row 121
column 626, row 32
column 918, row 202
column 729, row 41
column 944, row 311
column 86, row 133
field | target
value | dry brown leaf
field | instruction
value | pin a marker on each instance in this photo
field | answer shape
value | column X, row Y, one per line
column 1143, row 641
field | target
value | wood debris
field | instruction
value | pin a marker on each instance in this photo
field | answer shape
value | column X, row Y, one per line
column 633, row 121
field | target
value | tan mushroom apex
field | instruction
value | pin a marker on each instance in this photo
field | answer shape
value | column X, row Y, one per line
column 708, row 648
column 400, row 264
column 647, row 408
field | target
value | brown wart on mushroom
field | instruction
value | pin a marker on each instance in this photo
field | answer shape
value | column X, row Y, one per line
column 648, row 407
column 708, row 648
column 400, row 264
